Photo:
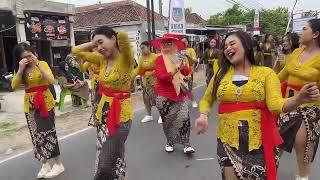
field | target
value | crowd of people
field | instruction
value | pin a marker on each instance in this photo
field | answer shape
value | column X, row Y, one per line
column 267, row 95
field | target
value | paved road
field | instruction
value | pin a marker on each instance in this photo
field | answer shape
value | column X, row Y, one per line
column 145, row 156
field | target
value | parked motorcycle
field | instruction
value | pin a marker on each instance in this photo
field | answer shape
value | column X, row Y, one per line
column 5, row 81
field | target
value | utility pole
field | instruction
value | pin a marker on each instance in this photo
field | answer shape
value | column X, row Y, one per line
column 160, row 7
column 148, row 20
column 256, row 21
column 153, row 21
column 291, row 16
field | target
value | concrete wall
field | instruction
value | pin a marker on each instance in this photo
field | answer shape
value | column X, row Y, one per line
column 7, row 4
column 159, row 26
column 49, row 6
column 38, row 5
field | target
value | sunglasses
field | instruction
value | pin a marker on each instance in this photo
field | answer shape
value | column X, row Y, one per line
column 167, row 42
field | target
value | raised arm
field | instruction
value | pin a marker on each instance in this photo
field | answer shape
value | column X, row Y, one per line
column 83, row 51
column 46, row 72
column 125, row 48
column 85, row 66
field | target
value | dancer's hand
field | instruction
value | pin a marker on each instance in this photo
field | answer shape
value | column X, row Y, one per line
column 309, row 93
column 23, row 63
column 202, row 124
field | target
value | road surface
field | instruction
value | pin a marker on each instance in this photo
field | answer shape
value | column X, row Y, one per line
column 146, row 157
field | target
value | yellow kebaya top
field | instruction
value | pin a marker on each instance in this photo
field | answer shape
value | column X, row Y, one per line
column 297, row 73
column 117, row 78
column 146, row 68
column 33, row 79
column 263, row 86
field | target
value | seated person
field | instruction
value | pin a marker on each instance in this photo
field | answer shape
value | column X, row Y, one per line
column 79, row 88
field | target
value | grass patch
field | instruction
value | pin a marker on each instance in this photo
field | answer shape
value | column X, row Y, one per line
column 7, row 125
column 9, row 129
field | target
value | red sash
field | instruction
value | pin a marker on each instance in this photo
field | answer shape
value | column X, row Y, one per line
column 269, row 132
column 113, row 118
column 39, row 100
column 285, row 85
column 96, row 72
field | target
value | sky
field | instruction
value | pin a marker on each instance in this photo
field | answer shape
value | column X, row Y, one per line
column 205, row 8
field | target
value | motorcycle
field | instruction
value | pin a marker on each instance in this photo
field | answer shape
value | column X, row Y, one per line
column 5, row 81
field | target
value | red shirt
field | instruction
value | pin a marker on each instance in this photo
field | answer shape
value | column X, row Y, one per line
column 164, row 86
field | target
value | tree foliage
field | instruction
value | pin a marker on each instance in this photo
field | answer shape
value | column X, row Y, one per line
column 273, row 21
column 188, row 10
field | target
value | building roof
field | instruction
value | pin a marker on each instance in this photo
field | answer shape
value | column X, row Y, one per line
column 195, row 18
column 112, row 14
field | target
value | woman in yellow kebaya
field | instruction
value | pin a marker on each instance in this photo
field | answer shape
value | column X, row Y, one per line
column 146, row 69
column 39, row 104
column 300, row 128
column 248, row 96
column 113, row 112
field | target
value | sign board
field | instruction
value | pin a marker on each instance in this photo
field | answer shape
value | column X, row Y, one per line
column 300, row 20
column 177, row 22
column 256, row 23
column 47, row 27
column 299, row 23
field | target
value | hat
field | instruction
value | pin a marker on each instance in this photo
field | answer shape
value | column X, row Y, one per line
column 175, row 38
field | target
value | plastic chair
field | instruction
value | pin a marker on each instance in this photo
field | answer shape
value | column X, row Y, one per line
column 63, row 94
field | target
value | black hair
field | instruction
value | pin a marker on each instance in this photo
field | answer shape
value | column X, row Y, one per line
column 266, row 38
column 315, row 26
column 187, row 38
column 146, row 43
column 17, row 52
column 104, row 30
column 256, row 43
column 224, row 63
column 215, row 41
column 68, row 50
column 294, row 38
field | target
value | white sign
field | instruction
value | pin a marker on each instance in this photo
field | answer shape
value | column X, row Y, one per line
column 299, row 23
column 177, row 22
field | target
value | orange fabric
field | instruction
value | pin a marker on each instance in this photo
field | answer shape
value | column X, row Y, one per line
column 270, row 135
column 146, row 70
column 39, row 100
column 113, row 118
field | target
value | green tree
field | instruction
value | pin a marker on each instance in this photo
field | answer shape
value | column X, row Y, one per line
column 231, row 16
column 272, row 21
column 188, row 10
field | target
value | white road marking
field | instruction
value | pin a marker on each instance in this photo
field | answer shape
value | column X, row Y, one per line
column 205, row 159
